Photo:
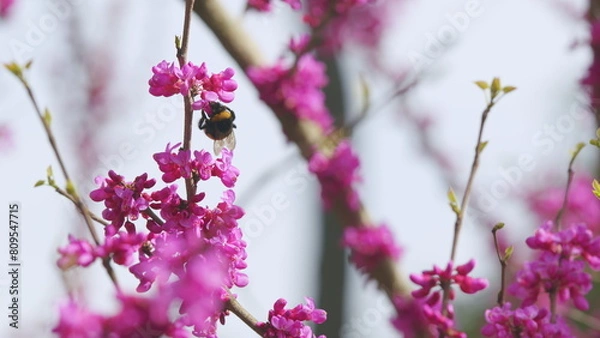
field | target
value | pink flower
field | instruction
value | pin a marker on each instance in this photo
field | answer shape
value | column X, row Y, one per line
column 5, row 7
column 77, row 322
column 77, row 252
column 123, row 200
column 560, row 266
column 337, row 175
column 582, row 205
column 432, row 302
column 299, row 45
column 572, row 243
column 551, row 274
column 122, row 247
column 297, row 91
column 174, row 165
column 260, row 5
column 177, row 213
column 410, row 319
column 289, row 323
column 199, row 289
column 526, row 322
column 180, row 164
column 266, row 6
column 169, row 79
column 224, row 170
column 370, row 245
column 216, row 87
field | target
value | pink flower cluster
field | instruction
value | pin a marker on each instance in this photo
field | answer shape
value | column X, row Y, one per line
column 525, row 322
column 123, row 200
column 370, row 245
column 295, row 89
column 290, row 323
column 202, row 166
column 560, row 266
column 582, row 205
column 192, row 253
column 410, row 319
column 443, row 319
column 337, row 174
column 169, row 79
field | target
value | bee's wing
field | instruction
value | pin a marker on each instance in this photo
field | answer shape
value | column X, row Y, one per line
column 228, row 142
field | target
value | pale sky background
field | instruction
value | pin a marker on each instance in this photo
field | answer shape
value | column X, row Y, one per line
column 527, row 43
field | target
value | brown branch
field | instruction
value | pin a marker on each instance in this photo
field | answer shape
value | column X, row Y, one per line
column 306, row 135
column 234, row 306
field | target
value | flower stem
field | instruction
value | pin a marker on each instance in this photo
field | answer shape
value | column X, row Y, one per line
column 474, row 166
column 187, row 99
column 502, row 260
column 570, row 174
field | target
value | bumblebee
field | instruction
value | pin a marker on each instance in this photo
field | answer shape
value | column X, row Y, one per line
column 219, row 126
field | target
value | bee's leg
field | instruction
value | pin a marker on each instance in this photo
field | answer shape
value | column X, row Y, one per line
column 233, row 124
column 203, row 120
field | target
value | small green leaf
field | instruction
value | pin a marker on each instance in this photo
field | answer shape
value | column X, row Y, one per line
column 28, row 64
column 508, row 89
column 177, row 42
column 453, row 201
column 577, row 150
column 71, row 188
column 365, row 92
column 498, row 227
column 39, row 183
column 481, row 146
column 50, row 177
column 451, row 196
column 596, row 188
column 14, row 68
column 508, row 253
column 47, row 117
column 595, row 142
column 495, row 87
column 482, row 84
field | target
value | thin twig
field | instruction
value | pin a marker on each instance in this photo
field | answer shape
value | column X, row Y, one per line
column 502, row 261
column 570, row 174
column 75, row 196
column 474, row 167
column 234, row 306
column 187, row 99
column 94, row 217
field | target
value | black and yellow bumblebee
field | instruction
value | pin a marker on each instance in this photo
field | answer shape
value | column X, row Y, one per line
column 219, row 126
